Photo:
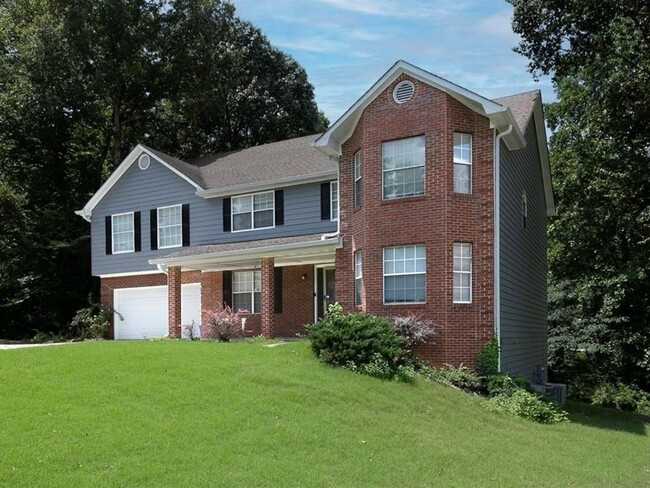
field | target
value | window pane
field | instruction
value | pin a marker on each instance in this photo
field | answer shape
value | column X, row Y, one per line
column 243, row 301
column 264, row 219
column 241, row 221
column 242, row 204
column 462, row 178
column 263, row 201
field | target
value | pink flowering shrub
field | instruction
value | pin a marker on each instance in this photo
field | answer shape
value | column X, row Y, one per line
column 223, row 324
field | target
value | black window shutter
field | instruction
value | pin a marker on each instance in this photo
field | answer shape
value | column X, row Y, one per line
column 277, row 293
column 226, row 214
column 137, row 234
column 279, row 207
column 227, row 288
column 109, row 234
column 186, row 224
column 325, row 201
column 153, row 219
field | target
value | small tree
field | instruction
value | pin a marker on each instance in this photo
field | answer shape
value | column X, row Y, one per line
column 223, row 324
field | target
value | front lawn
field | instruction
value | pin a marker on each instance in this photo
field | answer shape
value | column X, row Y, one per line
column 194, row 414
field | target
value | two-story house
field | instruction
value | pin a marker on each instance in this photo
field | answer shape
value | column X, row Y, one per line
column 424, row 197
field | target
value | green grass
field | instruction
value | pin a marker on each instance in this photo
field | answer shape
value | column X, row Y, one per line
column 194, row 414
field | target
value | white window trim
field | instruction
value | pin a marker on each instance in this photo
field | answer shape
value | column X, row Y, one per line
column 471, row 258
column 524, row 210
column 180, row 224
column 338, row 199
column 384, row 171
column 384, row 274
column 466, row 163
column 358, row 277
column 113, row 251
column 252, row 212
column 356, row 160
column 251, row 293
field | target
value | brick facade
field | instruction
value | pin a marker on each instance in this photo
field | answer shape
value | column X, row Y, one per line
column 436, row 219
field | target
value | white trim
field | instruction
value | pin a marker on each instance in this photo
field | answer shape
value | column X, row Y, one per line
column 180, row 224
column 253, row 272
column 403, row 168
column 357, row 195
column 358, row 253
column 460, row 272
column 542, row 144
column 338, row 198
column 469, row 163
column 409, row 273
column 113, row 251
column 86, row 211
column 252, row 212
column 130, row 273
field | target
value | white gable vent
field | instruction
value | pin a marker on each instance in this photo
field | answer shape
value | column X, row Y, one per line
column 144, row 161
column 403, row 92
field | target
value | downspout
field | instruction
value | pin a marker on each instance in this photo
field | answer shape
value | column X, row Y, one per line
column 331, row 235
column 497, row 237
column 162, row 268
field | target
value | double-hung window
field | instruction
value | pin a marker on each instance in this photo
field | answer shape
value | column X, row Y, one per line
column 170, row 227
column 357, row 179
column 358, row 277
column 404, row 274
column 334, row 200
column 462, row 272
column 246, row 291
column 403, row 167
column 123, row 237
column 253, row 211
column 462, row 163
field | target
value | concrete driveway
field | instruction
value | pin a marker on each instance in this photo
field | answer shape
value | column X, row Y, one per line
column 21, row 346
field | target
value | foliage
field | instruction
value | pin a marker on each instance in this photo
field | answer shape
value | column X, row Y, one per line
column 622, row 397
column 599, row 281
column 378, row 367
column 503, row 384
column 527, row 405
column 487, row 358
column 459, row 376
column 414, row 328
column 92, row 322
column 223, row 324
column 362, row 342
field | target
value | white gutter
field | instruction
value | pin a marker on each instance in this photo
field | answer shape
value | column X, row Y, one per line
column 162, row 268
column 497, row 237
column 331, row 235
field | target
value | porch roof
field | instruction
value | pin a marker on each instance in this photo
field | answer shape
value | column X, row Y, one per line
column 287, row 251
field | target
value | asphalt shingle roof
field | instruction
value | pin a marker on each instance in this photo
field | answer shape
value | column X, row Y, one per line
column 521, row 105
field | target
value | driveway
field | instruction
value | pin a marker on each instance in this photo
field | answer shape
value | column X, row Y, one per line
column 20, row 346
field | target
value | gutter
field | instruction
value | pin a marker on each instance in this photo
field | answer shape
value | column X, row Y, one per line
column 497, row 237
column 331, row 235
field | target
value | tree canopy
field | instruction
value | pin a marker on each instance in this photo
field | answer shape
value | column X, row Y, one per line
column 598, row 54
column 82, row 82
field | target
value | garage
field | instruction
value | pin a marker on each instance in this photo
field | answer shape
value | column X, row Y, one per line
column 144, row 310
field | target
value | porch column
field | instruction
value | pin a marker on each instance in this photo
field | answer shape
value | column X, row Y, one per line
column 174, row 301
column 211, row 298
column 268, row 295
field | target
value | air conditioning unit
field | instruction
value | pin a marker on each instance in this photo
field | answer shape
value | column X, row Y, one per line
column 557, row 391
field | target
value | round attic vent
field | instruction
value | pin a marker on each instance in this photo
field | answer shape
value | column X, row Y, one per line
column 403, row 92
column 144, row 161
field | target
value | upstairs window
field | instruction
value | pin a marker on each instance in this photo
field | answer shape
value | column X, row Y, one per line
column 462, row 272
column 123, row 234
column 334, row 200
column 170, row 227
column 357, row 179
column 403, row 167
column 358, row 278
column 247, row 291
column 404, row 274
column 253, row 211
column 462, row 163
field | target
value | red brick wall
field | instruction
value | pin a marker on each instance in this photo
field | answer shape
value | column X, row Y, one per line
column 437, row 219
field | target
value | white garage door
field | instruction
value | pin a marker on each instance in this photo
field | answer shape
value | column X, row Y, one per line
column 145, row 310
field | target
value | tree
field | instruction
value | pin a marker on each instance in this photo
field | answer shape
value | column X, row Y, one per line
column 599, row 245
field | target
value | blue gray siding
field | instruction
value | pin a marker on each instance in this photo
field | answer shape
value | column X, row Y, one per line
column 523, row 261
column 158, row 186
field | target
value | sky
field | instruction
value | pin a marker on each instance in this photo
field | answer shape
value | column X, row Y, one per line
column 347, row 45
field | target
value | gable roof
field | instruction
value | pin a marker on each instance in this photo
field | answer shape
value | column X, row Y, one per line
column 501, row 117
column 521, row 105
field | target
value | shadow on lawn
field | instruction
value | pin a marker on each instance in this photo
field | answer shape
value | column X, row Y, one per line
column 608, row 418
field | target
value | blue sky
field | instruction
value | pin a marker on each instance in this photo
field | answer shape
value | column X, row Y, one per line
column 346, row 45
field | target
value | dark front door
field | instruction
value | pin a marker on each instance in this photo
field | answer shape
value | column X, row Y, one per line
column 325, row 290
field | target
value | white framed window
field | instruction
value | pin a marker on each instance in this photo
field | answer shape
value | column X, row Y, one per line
column 524, row 210
column 334, row 200
column 357, row 179
column 358, row 277
column 123, row 237
column 403, row 167
column 247, row 291
column 404, row 274
column 170, row 226
column 462, row 272
column 255, row 211
column 462, row 163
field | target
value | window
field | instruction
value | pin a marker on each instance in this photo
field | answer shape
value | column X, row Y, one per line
column 253, row 211
column 357, row 179
column 170, row 227
column 123, row 233
column 524, row 210
column 358, row 278
column 404, row 273
column 246, row 291
column 462, row 272
column 462, row 163
column 334, row 200
column 403, row 167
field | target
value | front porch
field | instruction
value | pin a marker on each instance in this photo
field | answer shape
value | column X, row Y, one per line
column 282, row 283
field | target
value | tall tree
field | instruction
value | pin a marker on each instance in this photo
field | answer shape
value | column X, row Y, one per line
column 599, row 56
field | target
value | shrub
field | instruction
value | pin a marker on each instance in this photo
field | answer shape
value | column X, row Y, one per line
column 91, row 322
column 503, row 384
column 623, row 397
column 527, row 405
column 223, row 324
column 414, row 329
column 487, row 358
column 459, row 376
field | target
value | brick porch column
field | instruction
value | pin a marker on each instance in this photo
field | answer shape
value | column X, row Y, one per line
column 174, row 301
column 268, row 295
column 211, row 297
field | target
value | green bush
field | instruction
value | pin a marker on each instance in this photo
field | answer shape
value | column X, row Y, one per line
column 623, row 397
column 91, row 322
column 459, row 376
column 487, row 359
column 503, row 384
column 527, row 405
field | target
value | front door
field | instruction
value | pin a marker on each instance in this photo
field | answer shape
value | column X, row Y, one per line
column 325, row 290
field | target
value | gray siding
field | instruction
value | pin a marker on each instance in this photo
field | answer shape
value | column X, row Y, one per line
column 139, row 190
column 523, row 261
